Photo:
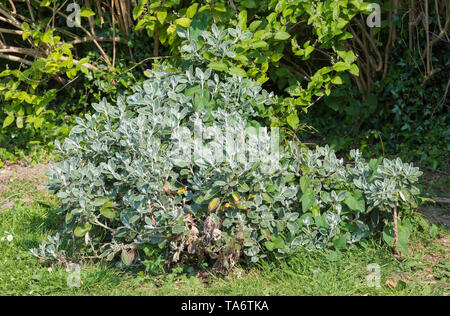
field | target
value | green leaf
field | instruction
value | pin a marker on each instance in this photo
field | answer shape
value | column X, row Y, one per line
column 82, row 229
column 293, row 120
column 125, row 257
column 238, row 71
column 258, row 44
column 8, row 121
column 47, row 37
column 220, row 66
column 388, row 235
column 137, row 11
column 403, row 237
column 355, row 201
column 199, row 24
column 190, row 12
column 269, row 245
column 19, row 121
column 108, row 212
column 275, row 243
column 250, row 4
column 340, row 66
column 354, row 70
column 282, row 35
column 337, row 80
column 242, row 21
column 161, row 15
column 184, row 22
column 85, row 12
column 304, row 183
column 433, row 231
column 254, row 25
column 69, row 217
column 340, row 242
column 213, row 204
column 243, row 187
column 45, row 3
column 308, row 199
column 348, row 57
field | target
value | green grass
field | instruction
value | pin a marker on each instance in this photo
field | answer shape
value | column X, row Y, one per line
column 425, row 272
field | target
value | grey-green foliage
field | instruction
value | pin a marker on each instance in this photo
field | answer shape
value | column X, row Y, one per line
column 125, row 188
column 219, row 42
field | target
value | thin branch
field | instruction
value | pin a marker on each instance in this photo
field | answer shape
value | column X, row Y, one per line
column 117, row 39
column 396, row 231
column 437, row 38
column 114, row 35
column 12, row 6
column 90, row 18
column 389, row 41
column 9, row 31
column 105, row 56
column 20, row 50
column 16, row 59
column 75, row 62
column 9, row 18
column 30, row 9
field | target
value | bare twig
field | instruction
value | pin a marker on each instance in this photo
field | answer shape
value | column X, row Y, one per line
column 114, row 35
column 16, row 59
column 117, row 39
column 9, row 31
column 105, row 56
column 396, row 232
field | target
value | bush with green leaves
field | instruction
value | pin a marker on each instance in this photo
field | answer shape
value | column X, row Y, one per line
column 127, row 192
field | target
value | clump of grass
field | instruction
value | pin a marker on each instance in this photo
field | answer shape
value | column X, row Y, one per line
column 424, row 272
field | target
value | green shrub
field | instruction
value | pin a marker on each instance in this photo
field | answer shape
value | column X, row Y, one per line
column 130, row 186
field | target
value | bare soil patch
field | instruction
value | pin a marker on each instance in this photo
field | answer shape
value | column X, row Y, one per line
column 12, row 179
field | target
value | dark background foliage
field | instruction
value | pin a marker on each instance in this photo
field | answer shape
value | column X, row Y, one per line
column 397, row 103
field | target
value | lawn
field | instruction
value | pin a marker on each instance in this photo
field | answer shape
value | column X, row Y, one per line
column 27, row 213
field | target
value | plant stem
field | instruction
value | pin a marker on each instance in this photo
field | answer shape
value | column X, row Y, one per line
column 396, row 231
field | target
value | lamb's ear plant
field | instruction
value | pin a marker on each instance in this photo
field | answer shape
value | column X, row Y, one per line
column 134, row 190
